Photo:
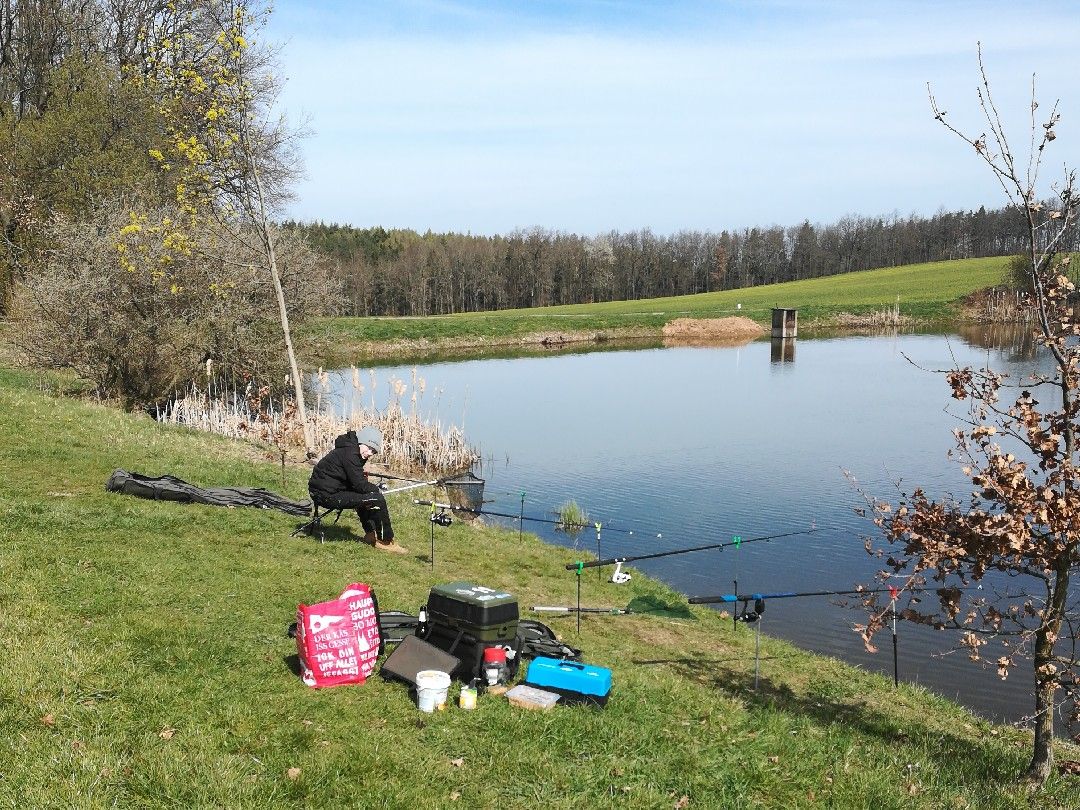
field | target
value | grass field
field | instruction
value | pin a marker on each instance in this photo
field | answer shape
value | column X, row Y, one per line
column 928, row 292
column 146, row 664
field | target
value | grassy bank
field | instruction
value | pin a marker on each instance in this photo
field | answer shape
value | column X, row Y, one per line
column 146, row 664
column 926, row 292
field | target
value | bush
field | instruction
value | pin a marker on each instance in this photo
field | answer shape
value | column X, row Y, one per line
column 139, row 313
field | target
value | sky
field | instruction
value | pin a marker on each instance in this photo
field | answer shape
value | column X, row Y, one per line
column 588, row 116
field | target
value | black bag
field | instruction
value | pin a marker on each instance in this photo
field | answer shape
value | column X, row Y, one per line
column 537, row 639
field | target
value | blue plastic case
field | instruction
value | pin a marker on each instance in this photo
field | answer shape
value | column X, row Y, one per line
column 576, row 683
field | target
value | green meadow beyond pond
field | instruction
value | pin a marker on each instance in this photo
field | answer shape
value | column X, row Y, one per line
column 924, row 293
column 146, row 664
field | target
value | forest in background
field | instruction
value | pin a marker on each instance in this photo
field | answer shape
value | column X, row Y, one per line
column 403, row 272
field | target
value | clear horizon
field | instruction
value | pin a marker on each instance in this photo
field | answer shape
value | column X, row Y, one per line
column 601, row 115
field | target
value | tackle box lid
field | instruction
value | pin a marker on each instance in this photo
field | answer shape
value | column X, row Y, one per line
column 477, row 604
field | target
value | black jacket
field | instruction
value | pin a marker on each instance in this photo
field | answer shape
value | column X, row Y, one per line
column 341, row 469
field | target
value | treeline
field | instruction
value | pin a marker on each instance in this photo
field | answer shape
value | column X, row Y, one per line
column 402, row 272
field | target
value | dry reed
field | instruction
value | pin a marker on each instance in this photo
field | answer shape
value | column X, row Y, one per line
column 411, row 445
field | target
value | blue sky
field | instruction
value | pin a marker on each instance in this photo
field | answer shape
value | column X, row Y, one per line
column 594, row 115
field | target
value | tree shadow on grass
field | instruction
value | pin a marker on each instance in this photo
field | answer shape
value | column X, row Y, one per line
column 848, row 711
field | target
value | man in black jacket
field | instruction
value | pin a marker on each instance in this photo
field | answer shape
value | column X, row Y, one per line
column 338, row 482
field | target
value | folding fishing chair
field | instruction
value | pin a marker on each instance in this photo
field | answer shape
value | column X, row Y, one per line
column 317, row 516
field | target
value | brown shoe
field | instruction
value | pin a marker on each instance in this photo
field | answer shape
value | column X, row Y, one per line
column 368, row 538
column 392, row 547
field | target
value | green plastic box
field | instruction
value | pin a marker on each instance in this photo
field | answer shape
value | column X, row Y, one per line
column 484, row 613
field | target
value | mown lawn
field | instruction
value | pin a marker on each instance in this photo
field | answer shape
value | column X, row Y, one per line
column 146, row 664
column 927, row 292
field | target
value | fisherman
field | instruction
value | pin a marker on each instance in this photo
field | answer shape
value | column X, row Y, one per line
column 339, row 482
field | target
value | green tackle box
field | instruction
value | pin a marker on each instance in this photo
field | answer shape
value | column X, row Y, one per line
column 485, row 614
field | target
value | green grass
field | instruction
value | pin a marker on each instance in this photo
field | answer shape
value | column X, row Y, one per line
column 145, row 663
column 927, row 292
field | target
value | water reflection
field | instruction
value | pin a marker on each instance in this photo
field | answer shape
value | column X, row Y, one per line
column 782, row 350
column 677, row 447
column 499, row 351
column 1016, row 341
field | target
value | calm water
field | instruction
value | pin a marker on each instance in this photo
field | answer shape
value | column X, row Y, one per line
column 690, row 446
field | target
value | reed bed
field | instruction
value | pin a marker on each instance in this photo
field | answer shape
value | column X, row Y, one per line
column 1002, row 305
column 885, row 318
column 411, row 444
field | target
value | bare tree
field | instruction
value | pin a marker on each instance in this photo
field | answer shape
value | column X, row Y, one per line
column 1022, row 520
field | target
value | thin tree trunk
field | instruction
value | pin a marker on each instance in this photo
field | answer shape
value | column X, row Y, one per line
column 1042, row 756
column 271, row 262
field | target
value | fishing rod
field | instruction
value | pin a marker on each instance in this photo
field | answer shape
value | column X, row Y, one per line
column 454, row 479
column 548, row 521
column 436, row 483
column 754, row 616
column 751, row 597
column 390, row 477
column 562, row 609
column 738, row 541
column 893, row 591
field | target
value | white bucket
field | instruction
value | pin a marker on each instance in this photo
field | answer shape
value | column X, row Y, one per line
column 431, row 688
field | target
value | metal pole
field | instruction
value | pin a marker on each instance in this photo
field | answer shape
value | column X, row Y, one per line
column 580, row 569
column 757, row 652
column 895, row 659
column 599, row 575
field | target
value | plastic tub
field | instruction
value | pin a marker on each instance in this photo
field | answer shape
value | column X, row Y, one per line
column 431, row 689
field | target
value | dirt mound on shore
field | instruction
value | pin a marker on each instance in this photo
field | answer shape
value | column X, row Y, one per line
column 712, row 331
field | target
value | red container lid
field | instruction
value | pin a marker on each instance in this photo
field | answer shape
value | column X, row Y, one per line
column 494, row 655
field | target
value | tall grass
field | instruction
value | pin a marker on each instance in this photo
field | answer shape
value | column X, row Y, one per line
column 411, row 444
column 572, row 518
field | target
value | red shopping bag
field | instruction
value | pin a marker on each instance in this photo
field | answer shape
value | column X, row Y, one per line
column 339, row 641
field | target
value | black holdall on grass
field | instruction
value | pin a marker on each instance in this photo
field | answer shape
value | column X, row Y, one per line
column 464, row 619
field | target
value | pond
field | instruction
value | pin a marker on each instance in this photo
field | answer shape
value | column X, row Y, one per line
column 676, row 447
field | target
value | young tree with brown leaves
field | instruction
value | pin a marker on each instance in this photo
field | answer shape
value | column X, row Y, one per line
column 1021, row 523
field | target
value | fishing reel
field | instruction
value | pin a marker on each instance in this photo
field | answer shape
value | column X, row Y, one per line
column 441, row 518
column 751, row 616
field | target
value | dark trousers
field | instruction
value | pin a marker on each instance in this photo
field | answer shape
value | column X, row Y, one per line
column 370, row 509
